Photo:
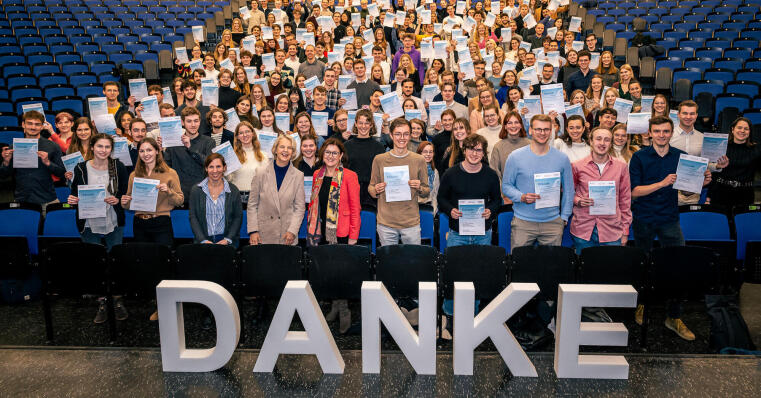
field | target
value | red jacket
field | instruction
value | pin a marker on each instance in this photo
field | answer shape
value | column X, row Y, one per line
column 349, row 208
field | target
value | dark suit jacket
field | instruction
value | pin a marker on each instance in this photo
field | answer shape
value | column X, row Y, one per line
column 233, row 214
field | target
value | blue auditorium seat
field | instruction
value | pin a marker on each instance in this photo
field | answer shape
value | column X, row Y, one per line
column 739, row 101
column 426, row 225
column 753, row 75
column 181, row 224
column 70, row 102
column 58, row 90
column 21, row 222
column 60, row 223
column 749, row 88
column 503, row 229
column 746, row 226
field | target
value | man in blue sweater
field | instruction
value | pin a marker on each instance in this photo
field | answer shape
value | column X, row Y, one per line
column 539, row 181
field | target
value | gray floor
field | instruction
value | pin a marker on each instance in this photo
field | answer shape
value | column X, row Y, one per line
column 137, row 372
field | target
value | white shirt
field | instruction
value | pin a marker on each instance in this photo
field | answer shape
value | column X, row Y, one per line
column 577, row 150
column 691, row 142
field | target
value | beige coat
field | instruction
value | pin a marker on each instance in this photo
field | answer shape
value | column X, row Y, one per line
column 274, row 212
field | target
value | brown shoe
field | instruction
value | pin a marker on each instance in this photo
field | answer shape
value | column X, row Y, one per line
column 678, row 327
column 154, row 317
column 639, row 314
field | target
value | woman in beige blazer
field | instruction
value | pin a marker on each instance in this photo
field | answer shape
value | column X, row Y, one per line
column 276, row 201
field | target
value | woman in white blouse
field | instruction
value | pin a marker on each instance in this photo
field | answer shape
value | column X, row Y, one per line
column 249, row 152
column 574, row 143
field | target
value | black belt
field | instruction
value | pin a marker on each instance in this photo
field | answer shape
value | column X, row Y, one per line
column 734, row 183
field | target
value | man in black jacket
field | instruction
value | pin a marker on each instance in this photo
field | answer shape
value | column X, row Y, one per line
column 189, row 91
column 187, row 160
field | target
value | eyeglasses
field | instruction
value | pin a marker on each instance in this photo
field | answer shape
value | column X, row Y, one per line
column 542, row 130
column 475, row 150
column 401, row 135
column 342, row 120
column 331, row 153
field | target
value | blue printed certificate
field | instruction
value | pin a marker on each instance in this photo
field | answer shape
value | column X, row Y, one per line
column 231, row 158
column 92, row 201
column 689, row 173
column 391, row 105
column 714, row 146
column 350, row 95
column 472, row 221
column 71, row 160
column 397, row 183
column 145, row 194
column 121, row 150
column 170, row 130
column 138, row 88
column 320, row 123
column 267, row 140
column 547, row 186
column 283, row 121
column 604, row 195
column 552, row 98
column 25, row 153
column 210, row 94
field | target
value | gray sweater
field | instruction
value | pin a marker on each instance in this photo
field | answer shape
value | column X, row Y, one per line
column 314, row 69
column 188, row 162
column 364, row 91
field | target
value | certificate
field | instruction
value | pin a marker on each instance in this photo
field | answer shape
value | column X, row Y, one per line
column 460, row 8
column 300, row 32
column 344, row 81
column 425, row 16
column 399, row 17
column 574, row 110
column 262, row 82
column 410, row 114
column 25, row 153
column 489, row 59
column 356, row 19
column 552, row 32
column 268, row 60
column 388, row 21
column 311, row 83
column 196, row 64
column 508, row 65
column 97, row 106
column 308, row 39
column 307, row 189
column 689, row 173
column 530, row 73
column 386, row 88
column 553, row 57
column 145, row 193
column 372, row 9
column 506, row 34
column 528, row 21
column 333, row 56
column 249, row 43
column 435, row 109
column 297, row 140
column 714, row 146
column 231, row 158
column 391, row 105
column 198, row 34
column 440, row 49
column 33, row 107
column 283, row 121
column 552, row 98
column 267, row 140
column 267, row 33
column 594, row 60
column 71, row 160
column 623, row 107
column 232, row 119
column 378, row 120
column 250, row 73
column 150, row 109
column 320, row 123
column 350, row 119
column 575, row 24
column 105, row 124
column 467, row 69
column 350, row 95
column 92, row 201
column 182, row 55
column 547, row 186
column 638, row 123
column 397, row 183
column 525, row 45
column 429, row 92
column 244, row 12
column 471, row 221
column 647, row 103
column 121, row 150
column 604, row 195
column 167, row 96
column 602, row 96
column 227, row 64
column 170, row 130
column 673, row 116
column 532, row 102
column 426, row 49
column 138, row 88
column 577, row 45
column 463, row 53
column 210, row 94
column 490, row 19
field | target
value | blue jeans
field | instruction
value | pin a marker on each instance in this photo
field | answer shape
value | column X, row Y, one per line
column 593, row 241
column 669, row 234
column 455, row 239
column 112, row 239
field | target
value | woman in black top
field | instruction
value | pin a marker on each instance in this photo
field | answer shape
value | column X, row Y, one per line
column 361, row 150
column 734, row 184
column 307, row 160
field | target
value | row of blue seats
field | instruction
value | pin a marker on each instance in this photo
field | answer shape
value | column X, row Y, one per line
column 116, row 3
column 60, row 222
column 107, row 42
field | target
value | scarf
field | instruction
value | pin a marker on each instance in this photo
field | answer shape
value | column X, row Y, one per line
column 314, row 228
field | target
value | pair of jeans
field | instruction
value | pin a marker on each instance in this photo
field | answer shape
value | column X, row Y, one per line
column 391, row 236
column 111, row 239
column 669, row 234
column 455, row 239
column 594, row 240
column 154, row 230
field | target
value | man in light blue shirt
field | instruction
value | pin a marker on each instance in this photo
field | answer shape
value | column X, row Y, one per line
column 538, row 216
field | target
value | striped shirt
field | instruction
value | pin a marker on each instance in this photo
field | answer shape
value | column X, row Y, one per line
column 215, row 210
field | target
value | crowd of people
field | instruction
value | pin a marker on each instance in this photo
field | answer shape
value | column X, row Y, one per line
column 462, row 138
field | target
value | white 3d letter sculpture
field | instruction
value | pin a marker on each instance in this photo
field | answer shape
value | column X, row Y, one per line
column 315, row 339
column 378, row 306
column 174, row 356
column 571, row 332
column 470, row 332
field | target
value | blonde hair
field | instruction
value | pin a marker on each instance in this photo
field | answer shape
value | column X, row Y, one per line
column 604, row 101
column 290, row 140
column 411, row 66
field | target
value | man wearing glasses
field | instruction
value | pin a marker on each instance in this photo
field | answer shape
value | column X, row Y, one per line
column 398, row 178
column 590, row 43
column 539, row 181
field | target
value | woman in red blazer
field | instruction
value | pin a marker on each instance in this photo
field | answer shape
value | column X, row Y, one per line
column 334, row 212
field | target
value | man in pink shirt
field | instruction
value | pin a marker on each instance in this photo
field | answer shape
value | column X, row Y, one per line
column 604, row 221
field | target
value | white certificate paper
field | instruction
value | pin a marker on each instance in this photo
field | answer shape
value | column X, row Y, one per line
column 267, row 140
column 231, row 159
column 170, row 130
column 429, row 91
column 283, row 121
column 121, row 150
column 638, row 123
column 391, row 105
column 138, row 88
column 25, row 153
column 320, row 123
column 435, row 109
column 647, row 103
column 182, row 55
column 150, row 112
column 547, row 185
column 472, row 221
column 689, row 173
column 72, row 160
column 210, row 94
column 714, row 146
column 145, row 193
column 232, row 119
column 552, row 98
column 92, row 201
column 410, row 114
column 307, row 189
column 397, row 183
column 97, row 106
column 468, row 70
column 198, row 34
column 105, row 124
column 604, row 195
column 350, row 95
column 623, row 107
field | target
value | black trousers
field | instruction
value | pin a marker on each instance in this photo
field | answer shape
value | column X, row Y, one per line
column 154, row 230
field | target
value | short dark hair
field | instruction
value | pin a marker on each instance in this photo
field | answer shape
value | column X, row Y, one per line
column 660, row 120
column 33, row 115
column 473, row 140
column 188, row 83
column 212, row 157
column 136, row 120
column 585, row 53
column 398, row 122
column 608, row 111
column 211, row 112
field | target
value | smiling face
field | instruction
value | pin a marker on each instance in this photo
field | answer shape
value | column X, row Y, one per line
column 575, row 129
column 102, row 149
column 245, row 135
column 541, row 131
column 741, row 132
column 660, row 105
column 331, row 156
column 401, row 136
column 303, row 125
column 601, row 141
column 661, row 134
column 459, row 132
column 427, row 153
column 216, row 170
column 687, row 116
column 284, row 151
column 308, row 148
column 620, row 137
column 147, row 153
column 83, row 132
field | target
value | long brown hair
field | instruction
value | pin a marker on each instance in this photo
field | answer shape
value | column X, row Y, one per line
column 454, row 148
column 160, row 167
column 78, row 145
column 112, row 177
column 749, row 142
column 503, row 133
column 628, row 150
column 238, row 147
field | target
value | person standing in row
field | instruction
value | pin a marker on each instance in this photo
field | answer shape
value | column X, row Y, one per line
column 215, row 206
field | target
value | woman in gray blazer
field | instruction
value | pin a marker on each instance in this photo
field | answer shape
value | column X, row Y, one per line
column 215, row 206
column 276, row 201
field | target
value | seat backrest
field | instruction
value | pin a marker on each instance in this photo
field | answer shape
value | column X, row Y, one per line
column 426, row 225
column 337, row 271
column 684, row 270
column 746, row 226
column 215, row 263
column 401, row 267
column 60, row 222
column 548, row 266
column 22, row 223
column 485, row 266
column 137, row 267
column 266, row 269
column 704, row 226
column 181, row 224
column 69, row 274
column 616, row 265
column 504, row 221
column 367, row 227
column 443, row 231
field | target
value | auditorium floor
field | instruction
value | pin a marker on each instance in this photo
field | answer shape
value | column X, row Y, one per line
column 137, row 373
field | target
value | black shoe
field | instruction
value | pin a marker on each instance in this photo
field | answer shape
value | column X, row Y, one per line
column 102, row 314
column 120, row 311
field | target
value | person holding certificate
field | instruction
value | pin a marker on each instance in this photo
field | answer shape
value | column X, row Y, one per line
column 153, row 191
column 217, row 119
column 307, row 159
column 733, row 185
column 32, row 171
column 454, row 153
column 361, row 151
column 602, row 205
column 83, row 132
column 276, row 203
column 64, row 122
column 533, row 179
column 188, row 159
column 189, row 89
column 215, row 206
column 469, row 194
column 655, row 211
column 574, row 143
column 248, row 149
column 364, row 86
column 304, row 127
column 398, row 178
